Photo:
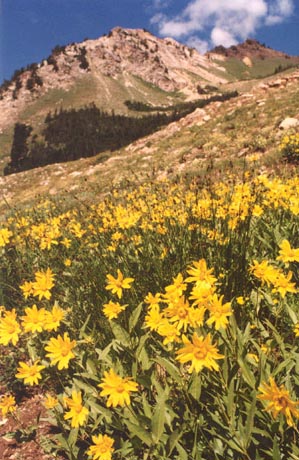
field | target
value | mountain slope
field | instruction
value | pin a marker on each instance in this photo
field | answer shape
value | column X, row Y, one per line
column 125, row 65
column 205, row 143
column 251, row 59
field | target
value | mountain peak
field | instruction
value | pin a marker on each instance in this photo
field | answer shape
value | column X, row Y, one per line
column 250, row 48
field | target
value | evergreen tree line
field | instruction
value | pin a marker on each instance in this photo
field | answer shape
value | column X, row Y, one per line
column 182, row 107
column 72, row 134
column 84, row 132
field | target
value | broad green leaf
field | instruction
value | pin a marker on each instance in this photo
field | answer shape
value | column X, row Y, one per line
column 246, row 372
column 89, row 389
column 195, row 386
column 134, row 317
column 291, row 313
column 182, row 453
column 287, row 363
column 102, row 354
column 91, row 367
column 141, row 344
column 98, row 409
column 144, row 359
column 146, row 407
column 250, row 420
column 120, row 333
column 158, row 421
column 173, row 440
column 141, row 433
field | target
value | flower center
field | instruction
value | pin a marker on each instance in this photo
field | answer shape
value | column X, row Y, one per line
column 182, row 313
column 11, row 328
column 282, row 401
column 120, row 388
column 200, row 353
column 65, row 350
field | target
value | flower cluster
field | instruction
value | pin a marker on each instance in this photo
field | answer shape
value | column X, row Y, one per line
column 289, row 147
column 151, row 317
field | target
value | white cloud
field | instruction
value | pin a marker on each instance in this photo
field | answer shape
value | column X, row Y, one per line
column 225, row 22
column 279, row 10
column 222, row 37
column 202, row 46
column 159, row 4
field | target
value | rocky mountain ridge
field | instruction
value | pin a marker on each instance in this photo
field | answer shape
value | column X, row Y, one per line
column 164, row 63
column 250, row 48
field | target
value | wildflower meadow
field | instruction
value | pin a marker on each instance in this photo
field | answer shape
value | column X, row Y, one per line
column 160, row 322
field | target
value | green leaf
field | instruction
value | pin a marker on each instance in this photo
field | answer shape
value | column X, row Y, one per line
column 250, row 420
column 231, row 408
column 120, row 333
column 144, row 360
column 134, row 317
column 195, row 386
column 291, row 313
column 172, row 370
column 183, row 455
column 146, row 407
column 276, row 454
column 246, row 372
column 102, row 354
column 73, row 436
column 158, row 421
column 141, row 433
column 89, row 389
column 172, row 440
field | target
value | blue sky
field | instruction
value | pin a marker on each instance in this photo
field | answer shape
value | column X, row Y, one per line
column 29, row 29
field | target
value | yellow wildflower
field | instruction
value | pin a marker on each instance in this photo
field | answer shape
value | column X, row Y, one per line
column 282, row 284
column 153, row 318
column 34, row 319
column 169, row 331
column 112, row 309
column 263, row 271
column 50, row 401
column 279, row 401
column 30, row 372
column 200, row 272
column 116, row 285
column 60, row 350
column 102, row 447
column 240, row 300
column 218, row 312
column 77, row 413
column 44, row 281
column 201, row 293
column 9, row 328
column 117, row 389
column 27, row 289
column 53, row 318
column 201, row 352
column 5, row 235
column 288, row 254
column 178, row 311
column 7, row 404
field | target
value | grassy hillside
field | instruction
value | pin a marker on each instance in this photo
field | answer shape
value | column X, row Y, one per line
column 221, row 138
column 261, row 68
